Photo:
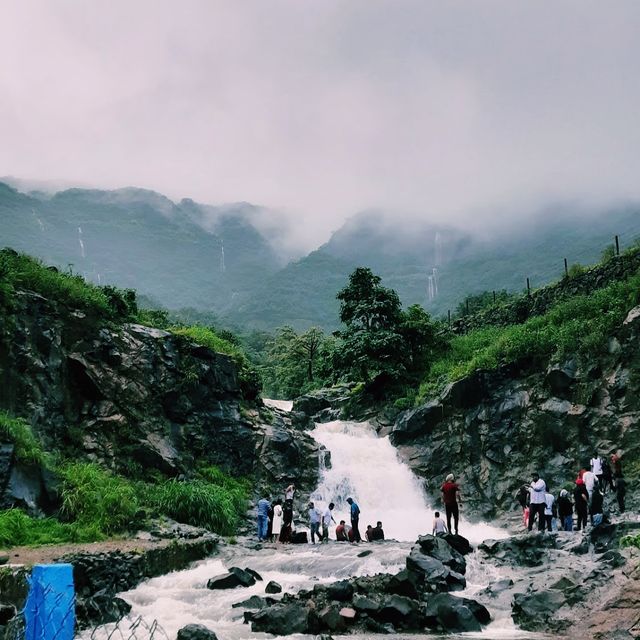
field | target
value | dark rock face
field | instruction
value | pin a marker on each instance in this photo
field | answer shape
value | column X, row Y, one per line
column 132, row 395
column 281, row 619
column 455, row 614
column 196, row 632
column 536, row 610
column 436, row 566
column 495, row 428
column 525, row 550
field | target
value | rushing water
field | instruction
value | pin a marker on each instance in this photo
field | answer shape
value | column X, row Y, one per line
column 364, row 467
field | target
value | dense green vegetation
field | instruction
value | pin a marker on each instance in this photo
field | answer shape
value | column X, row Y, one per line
column 578, row 325
column 97, row 504
column 27, row 447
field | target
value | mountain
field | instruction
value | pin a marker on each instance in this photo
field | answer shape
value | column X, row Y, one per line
column 434, row 265
column 180, row 255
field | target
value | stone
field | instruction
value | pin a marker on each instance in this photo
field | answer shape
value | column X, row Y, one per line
column 234, row 578
column 273, row 587
column 4, row 559
column 459, row 543
column 196, row 632
column 613, row 558
column 440, row 549
column 455, row 614
column 365, row 553
column 348, row 614
column 560, row 378
column 533, row 611
column 399, row 611
column 331, row 619
column 416, row 422
column 253, row 573
column 254, row 602
column 364, row 604
column 281, row 619
column 404, row 583
column 341, row 591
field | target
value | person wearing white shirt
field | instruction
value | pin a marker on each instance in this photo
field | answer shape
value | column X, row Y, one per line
column 548, row 510
column 589, row 479
column 327, row 517
column 596, row 467
column 537, row 490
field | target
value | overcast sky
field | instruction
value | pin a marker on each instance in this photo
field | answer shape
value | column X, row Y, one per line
column 322, row 107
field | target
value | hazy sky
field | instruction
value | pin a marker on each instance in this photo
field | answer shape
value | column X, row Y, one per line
column 324, row 107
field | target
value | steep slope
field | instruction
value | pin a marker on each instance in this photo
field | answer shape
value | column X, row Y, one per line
column 139, row 239
column 436, row 266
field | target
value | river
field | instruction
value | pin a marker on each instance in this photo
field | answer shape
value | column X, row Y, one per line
column 364, row 467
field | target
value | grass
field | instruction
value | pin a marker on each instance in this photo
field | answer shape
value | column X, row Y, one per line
column 207, row 337
column 97, row 504
column 21, row 272
column 580, row 325
column 18, row 529
column 27, row 447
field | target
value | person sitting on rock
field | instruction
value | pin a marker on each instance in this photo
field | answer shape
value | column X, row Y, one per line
column 565, row 510
column 377, row 533
column 341, row 533
column 537, row 491
column 581, row 500
column 439, row 527
column 451, row 498
column 367, row 533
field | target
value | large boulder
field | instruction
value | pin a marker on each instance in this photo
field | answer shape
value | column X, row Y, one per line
column 536, row 611
column 527, row 550
column 342, row 591
column 281, row 619
column 234, row 578
column 416, row 422
column 196, row 632
column 440, row 549
column 400, row 611
column 455, row 614
column 431, row 574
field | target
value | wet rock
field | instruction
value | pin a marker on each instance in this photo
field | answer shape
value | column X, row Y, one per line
column 331, row 619
column 613, row 558
column 454, row 614
column 399, row 611
column 254, row 602
column 536, row 611
column 560, row 378
column 348, row 614
column 341, row 591
column 365, row 553
column 459, row 543
column 527, row 550
column 440, row 549
column 281, row 619
column 234, row 578
column 416, row 422
column 364, row 604
column 404, row 584
column 273, row 587
column 196, row 632
column 253, row 573
column 431, row 573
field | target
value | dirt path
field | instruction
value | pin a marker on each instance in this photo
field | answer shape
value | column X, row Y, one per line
column 51, row 553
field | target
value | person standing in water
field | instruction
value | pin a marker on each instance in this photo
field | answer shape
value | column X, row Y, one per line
column 355, row 519
column 327, row 517
column 314, row 523
column 263, row 518
column 451, row 498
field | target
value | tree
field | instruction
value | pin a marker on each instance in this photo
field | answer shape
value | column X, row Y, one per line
column 380, row 340
column 293, row 361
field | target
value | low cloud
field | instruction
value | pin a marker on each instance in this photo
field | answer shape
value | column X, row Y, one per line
column 467, row 112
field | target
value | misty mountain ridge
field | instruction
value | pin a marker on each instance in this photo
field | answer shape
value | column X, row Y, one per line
column 232, row 259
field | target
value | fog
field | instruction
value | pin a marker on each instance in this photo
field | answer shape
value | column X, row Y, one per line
column 465, row 112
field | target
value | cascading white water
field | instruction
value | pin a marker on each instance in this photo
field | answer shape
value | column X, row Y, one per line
column 364, row 467
column 368, row 469
column 82, row 251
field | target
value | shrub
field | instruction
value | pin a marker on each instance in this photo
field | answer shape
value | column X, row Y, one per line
column 27, row 447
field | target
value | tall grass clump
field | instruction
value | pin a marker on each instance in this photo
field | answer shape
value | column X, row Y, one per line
column 27, row 447
column 207, row 337
column 214, row 501
column 92, row 496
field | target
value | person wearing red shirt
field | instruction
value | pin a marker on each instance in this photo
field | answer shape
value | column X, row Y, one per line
column 451, row 498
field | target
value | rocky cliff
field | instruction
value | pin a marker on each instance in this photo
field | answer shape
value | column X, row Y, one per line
column 136, row 399
column 495, row 428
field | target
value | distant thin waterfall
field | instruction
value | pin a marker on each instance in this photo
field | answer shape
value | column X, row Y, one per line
column 223, row 266
column 82, row 251
column 438, row 249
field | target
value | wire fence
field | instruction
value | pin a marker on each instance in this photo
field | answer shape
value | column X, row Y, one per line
column 55, row 624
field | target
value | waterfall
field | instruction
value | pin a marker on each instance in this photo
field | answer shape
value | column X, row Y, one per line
column 223, row 267
column 82, row 252
column 40, row 223
column 438, row 249
column 368, row 469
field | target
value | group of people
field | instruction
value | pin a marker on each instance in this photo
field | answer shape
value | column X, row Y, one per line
column 275, row 521
column 588, row 497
